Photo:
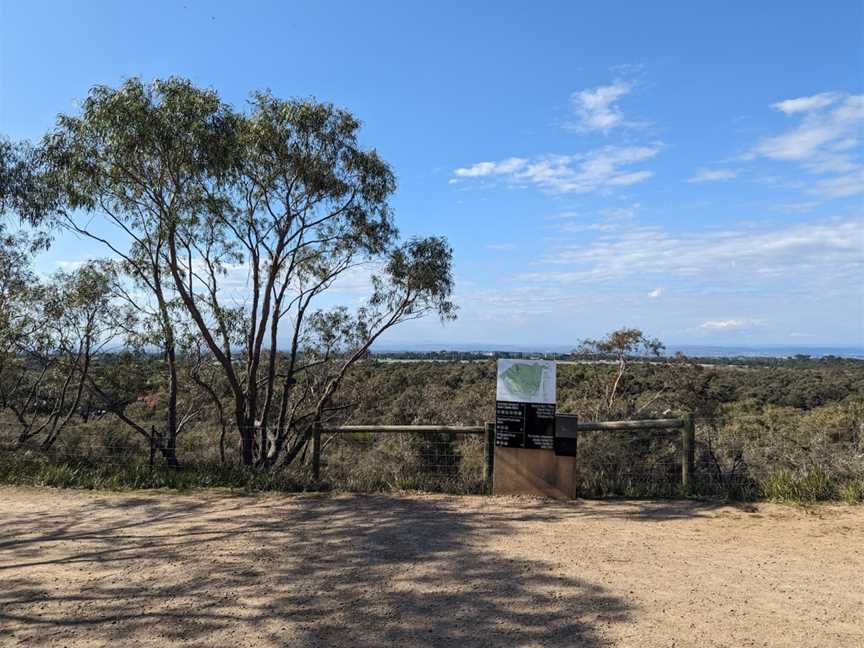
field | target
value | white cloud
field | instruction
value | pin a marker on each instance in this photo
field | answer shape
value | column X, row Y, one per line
column 563, row 216
column 235, row 280
column 357, row 280
column 501, row 247
column 621, row 214
column 806, row 104
column 655, row 294
column 734, row 324
column 482, row 169
column 69, row 266
column 613, row 218
column 817, row 129
column 599, row 169
column 519, row 302
column 825, row 141
column 840, row 186
column 796, row 207
column 828, row 254
column 707, row 175
column 596, row 109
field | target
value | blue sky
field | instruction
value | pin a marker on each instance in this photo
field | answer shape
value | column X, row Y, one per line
column 691, row 168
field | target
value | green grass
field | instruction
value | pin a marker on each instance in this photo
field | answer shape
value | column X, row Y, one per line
column 37, row 470
column 853, row 492
column 27, row 469
column 783, row 486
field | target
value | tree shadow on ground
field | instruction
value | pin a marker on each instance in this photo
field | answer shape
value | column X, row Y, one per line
column 360, row 571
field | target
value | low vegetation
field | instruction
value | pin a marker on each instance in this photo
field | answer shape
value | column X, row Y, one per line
column 790, row 433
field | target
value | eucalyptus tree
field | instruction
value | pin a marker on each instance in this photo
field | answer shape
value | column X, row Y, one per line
column 62, row 324
column 622, row 346
column 24, row 196
column 124, row 164
column 25, row 206
column 415, row 282
column 300, row 205
column 281, row 196
column 18, row 321
column 19, row 287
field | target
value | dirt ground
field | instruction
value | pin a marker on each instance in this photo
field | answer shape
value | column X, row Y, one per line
column 82, row 569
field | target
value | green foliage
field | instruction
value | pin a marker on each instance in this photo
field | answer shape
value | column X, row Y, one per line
column 746, row 449
column 623, row 343
column 853, row 492
column 38, row 471
column 740, row 445
column 20, row 469
column 784, row 486
column 437, row 462
column 180, row 190
column 24, row 193
column 632, row 464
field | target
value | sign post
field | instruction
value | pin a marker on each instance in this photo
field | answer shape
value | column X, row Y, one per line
column 527, row 453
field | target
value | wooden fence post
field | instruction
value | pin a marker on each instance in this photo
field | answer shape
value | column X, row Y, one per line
column 316, row 451
column 489, row 457
column 688, row 441
column 152, row 446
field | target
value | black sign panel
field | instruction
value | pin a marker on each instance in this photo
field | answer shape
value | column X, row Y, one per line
column 566, row 434
column 510, row 424
column 524, row 425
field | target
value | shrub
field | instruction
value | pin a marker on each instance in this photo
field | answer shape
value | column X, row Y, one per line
column 853, row 492
column 783, row 486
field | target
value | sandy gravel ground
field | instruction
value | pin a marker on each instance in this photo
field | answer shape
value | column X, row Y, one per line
column 80, row 569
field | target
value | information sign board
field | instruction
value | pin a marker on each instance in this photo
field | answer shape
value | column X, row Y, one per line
column 525, row 404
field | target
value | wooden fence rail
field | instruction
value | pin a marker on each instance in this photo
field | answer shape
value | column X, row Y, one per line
column 685, row 424
column 345, row 429
column 655, row 424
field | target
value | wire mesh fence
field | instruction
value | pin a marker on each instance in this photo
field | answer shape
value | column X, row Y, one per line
column 629, row 463
column 102, row 441
column 450, row 461
column 728, row 461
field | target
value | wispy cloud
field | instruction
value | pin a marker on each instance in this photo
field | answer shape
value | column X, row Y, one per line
column 483, row 169
column 501, row 247
column 68, row 266
column 820, row 132
column 563, row 216
column 600, row 169
column 596, row 109
column 795, row 207
column 725, row 325
column 709, row 175
column 806, row 104
column 606, row 220
column 655, row 294
column 849, row 184
column 825, row 142
column 357, row 280
column 827, row 253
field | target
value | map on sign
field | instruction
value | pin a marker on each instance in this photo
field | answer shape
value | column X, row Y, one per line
column 526, row 381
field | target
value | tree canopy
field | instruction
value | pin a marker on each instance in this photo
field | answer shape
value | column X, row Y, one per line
column 225, row 228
